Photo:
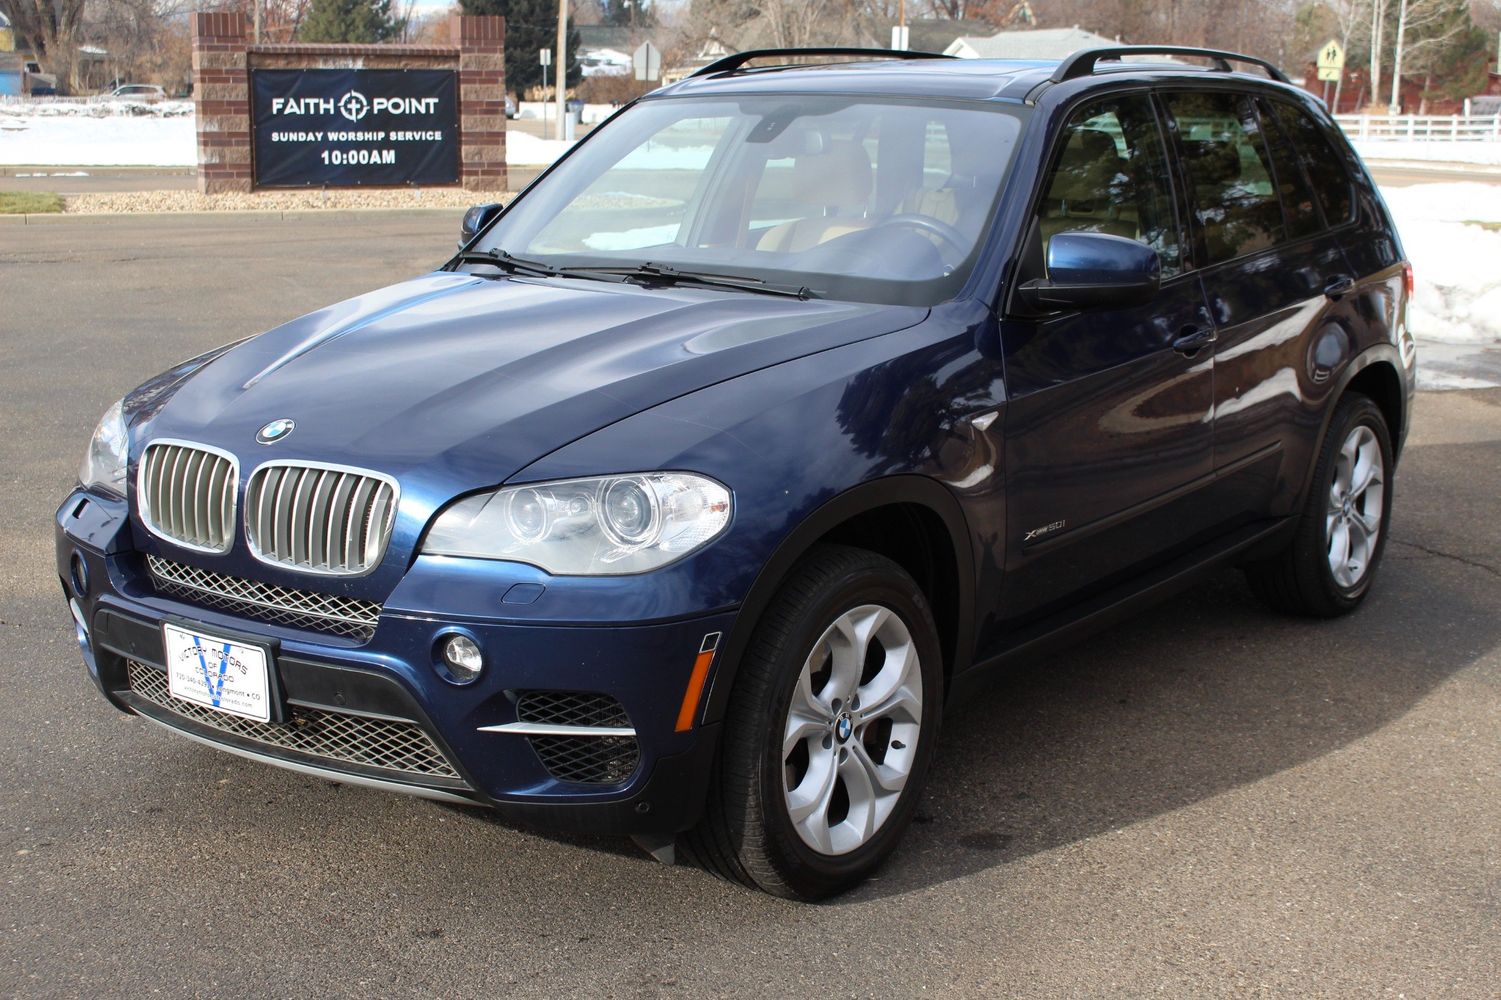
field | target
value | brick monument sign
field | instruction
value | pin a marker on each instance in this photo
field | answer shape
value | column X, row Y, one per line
column 224, row 63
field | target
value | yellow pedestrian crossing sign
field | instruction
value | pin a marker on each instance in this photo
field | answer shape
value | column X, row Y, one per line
column 1331, row 60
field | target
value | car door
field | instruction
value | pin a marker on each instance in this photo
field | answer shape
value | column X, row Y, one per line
column 1275, row 277
column 1108, row 427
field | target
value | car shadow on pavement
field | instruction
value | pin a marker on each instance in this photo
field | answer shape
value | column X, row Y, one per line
column 1202, row 696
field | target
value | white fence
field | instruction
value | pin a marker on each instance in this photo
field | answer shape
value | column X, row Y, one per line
column 1436, row 128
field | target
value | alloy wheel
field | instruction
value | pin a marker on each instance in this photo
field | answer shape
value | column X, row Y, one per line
column 850, row 737
column 1356, row 498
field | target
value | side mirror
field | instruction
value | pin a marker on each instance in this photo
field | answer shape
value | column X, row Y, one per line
column 475, row 219
column 1091, row 270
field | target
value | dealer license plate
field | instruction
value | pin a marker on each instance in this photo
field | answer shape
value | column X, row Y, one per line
column 217, row 673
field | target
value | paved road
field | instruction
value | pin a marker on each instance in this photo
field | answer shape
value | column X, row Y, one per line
column 1406, row 174
column 1208, row 801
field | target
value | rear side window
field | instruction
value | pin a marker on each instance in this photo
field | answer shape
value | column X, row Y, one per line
column 1229, row 173
column 1292, row 185
column 1331, row 182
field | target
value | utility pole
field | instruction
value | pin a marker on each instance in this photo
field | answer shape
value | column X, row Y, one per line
column 561, row 73
column 257, row 6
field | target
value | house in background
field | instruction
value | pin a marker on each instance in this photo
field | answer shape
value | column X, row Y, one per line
column 1049, row 44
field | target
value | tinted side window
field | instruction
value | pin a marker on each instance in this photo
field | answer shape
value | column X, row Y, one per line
column 1230, row 181
column 1292, row 185
column 1330, row 180
column 1112, row 178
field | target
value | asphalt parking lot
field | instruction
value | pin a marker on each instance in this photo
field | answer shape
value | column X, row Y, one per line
column 1208, row 801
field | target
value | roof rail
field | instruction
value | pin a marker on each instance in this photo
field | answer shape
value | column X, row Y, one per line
column 1082, row 63
column 730, row 63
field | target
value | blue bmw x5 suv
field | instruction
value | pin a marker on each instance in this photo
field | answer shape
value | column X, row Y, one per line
column 787, row 406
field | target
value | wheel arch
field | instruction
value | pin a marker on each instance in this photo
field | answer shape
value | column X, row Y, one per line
column 1376, row 374
column 934, row 547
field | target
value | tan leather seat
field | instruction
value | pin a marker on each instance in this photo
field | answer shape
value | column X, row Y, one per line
column 836, row 186
column 1087, row 190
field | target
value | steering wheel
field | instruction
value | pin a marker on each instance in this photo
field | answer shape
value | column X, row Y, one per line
column 927, row 224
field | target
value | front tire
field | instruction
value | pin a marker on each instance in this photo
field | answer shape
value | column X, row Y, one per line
column 1328, row 567
column 829, row 732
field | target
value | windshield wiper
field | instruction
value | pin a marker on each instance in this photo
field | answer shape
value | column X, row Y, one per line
column 670, row 275
column 509, row 263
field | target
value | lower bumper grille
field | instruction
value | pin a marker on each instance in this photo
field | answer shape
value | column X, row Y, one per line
column 269, row 602
column 583, row 758
column 334, row 737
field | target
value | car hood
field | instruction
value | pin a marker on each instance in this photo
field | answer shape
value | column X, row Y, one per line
column 452, row 382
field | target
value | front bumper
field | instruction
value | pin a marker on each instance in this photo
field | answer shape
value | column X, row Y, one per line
column 376, row 710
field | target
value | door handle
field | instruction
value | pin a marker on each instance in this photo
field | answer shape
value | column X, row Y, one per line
column 1192, row 339
column 1340, row 284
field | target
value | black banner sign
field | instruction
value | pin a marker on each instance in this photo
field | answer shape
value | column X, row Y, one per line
column 351, row 127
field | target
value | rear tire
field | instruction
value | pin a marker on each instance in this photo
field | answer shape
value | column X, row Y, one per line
column 1328, row 567
column 829, row 732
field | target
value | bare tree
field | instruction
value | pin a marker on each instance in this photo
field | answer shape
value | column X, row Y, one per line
column 50, row 28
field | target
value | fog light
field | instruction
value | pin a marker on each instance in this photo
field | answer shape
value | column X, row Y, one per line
column 78, row 571
column 462, row 657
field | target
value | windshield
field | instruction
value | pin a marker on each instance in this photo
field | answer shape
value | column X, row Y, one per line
column 856, row 198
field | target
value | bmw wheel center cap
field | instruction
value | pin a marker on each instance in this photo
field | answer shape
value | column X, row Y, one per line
column 275, row 431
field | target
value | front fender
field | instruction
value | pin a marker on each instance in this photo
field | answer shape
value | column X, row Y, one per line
column 806, row 445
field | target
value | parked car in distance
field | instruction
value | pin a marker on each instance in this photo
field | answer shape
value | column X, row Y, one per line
column 783, row 411
column 142, row 92
column 36, row 83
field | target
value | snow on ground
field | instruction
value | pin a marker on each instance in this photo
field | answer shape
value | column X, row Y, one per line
column 1417, row 151
column 79, row 140
column 100, row 107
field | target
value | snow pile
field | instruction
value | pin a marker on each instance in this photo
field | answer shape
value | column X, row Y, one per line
column 1458, row 267
column 523, row 148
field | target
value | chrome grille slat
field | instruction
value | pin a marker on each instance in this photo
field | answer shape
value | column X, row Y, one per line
column 389, row 744
column 186, row 494
column 346, row 616
column 319, row 518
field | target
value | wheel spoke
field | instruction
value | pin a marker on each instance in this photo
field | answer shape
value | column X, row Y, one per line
column 860, row 786
column 884, row 779
column 847, row 649
column 1360, row 545
column 1344, row 466
column 800, row 728
column 902, row 704
column 1367, row 469
column 810, row 799
column 1339, row 553
column 890, row 681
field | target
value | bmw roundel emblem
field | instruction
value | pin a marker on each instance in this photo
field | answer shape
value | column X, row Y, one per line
column 275, row 431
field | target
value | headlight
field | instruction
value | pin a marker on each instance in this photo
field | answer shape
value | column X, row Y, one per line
column 104, row 463
column 605, row 526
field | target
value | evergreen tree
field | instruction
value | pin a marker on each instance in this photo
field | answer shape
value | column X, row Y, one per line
column 360, row 21
column 629, row 13
column 531, row 26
